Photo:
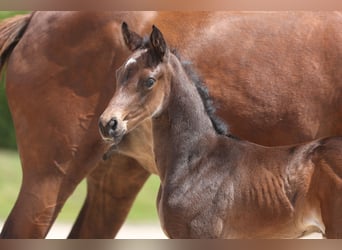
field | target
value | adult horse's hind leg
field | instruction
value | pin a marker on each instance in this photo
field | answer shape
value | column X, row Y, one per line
column 112, row 188
column 114, row 184
column 55, row 97
column 53, row 165
column 45, row 188
column 58, row 140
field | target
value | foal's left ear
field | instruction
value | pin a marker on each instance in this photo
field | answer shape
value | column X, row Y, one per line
column 132, row 39
column 158, row 43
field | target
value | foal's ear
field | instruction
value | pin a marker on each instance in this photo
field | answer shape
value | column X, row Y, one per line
column 132, row 39
column 158, row 43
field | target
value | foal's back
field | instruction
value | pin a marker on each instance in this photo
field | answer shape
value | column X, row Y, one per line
column 251, row 191
column 283, row 192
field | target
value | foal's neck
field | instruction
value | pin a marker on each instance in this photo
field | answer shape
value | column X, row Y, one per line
column 182, row 127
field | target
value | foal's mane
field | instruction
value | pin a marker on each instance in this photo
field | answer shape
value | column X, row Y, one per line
column 220, row 126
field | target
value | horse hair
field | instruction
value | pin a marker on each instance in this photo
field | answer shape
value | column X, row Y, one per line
column 219, row 125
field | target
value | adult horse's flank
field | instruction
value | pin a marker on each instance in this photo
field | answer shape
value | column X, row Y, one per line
column 276, row 77
column 214, row 185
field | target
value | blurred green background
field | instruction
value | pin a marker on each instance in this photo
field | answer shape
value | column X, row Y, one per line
column 143, row 211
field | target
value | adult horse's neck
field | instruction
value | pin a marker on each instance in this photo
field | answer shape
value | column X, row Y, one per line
column 182, row 128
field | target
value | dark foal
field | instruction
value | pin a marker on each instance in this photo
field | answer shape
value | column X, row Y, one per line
column 212, row 184
column 276, row 77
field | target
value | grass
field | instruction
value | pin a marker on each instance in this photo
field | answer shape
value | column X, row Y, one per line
column 144, row 208
column 6, row 14
column 10, row 179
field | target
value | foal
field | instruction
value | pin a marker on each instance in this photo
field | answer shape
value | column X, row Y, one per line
column 212, row 184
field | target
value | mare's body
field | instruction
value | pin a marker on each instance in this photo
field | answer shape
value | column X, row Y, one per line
column 276, row 78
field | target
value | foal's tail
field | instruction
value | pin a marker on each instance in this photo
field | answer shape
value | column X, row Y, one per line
column 11, row 30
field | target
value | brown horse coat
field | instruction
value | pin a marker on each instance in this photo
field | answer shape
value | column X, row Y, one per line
column 214, row 185
column 276, row 78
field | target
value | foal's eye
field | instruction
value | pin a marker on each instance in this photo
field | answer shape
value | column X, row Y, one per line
column 149, row 82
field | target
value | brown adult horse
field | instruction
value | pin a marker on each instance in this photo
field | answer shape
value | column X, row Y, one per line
column 212, row 184
column 277, row 80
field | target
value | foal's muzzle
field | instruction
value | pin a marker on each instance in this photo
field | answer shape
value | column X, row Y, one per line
column 108, row 131
column 112, row 131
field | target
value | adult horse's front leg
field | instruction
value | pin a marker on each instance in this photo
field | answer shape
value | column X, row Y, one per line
column 112, row 188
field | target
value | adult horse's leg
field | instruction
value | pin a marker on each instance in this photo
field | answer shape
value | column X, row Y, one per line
column 112, row 187
column 111, row 191
column 46, row 185
column 56, row 152
column 55, row 99
column 114, row 184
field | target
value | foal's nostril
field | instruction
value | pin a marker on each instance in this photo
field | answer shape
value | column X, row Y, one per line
column 111, row 127
column 113, row 123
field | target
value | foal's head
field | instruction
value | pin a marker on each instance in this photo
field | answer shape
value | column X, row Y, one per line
column 141, row 85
